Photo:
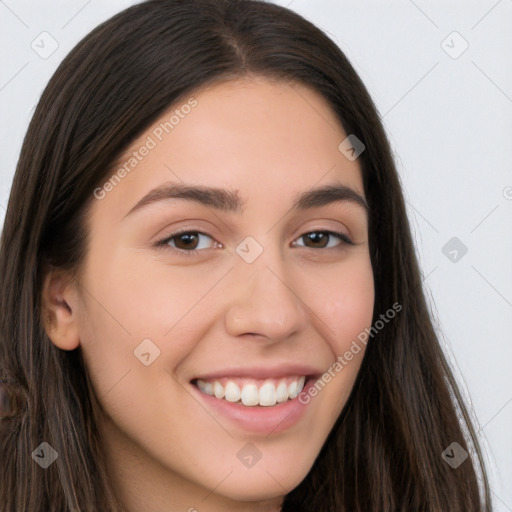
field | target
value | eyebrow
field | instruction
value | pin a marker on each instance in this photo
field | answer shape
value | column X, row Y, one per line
column 230, row 201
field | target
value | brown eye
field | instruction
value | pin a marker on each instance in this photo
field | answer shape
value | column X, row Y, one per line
column 186, row 241
column 322, row 239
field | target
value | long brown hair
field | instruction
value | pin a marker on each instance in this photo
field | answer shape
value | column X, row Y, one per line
column 384, row 452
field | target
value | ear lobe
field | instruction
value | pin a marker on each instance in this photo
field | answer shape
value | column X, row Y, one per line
column 59, row 317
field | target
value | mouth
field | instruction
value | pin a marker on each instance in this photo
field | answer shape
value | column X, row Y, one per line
column 262, row 400
column 252, row 392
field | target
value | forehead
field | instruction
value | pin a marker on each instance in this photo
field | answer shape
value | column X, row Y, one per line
column 251, row 135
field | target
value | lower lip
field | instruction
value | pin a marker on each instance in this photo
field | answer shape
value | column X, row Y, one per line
column 259, row 419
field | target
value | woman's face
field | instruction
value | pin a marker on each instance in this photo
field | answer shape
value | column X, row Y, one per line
column 255, row 296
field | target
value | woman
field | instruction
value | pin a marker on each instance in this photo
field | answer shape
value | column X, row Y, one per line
column 210, row 296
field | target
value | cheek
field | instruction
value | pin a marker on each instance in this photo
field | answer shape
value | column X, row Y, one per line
column 344, row 303
column 143, row 298
column 346, row 307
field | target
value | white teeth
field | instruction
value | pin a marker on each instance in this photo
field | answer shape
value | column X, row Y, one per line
column 249, row 394
column 205, row 387
column 267, row 395
column 292, row 389
column 281, row 392
column 232, row 392
column 218, row 389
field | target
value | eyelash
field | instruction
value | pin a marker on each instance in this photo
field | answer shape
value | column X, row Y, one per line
column 163, row 244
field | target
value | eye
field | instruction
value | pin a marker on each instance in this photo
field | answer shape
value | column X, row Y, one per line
column 322, row 239
column 185, row 241
column 189, row 242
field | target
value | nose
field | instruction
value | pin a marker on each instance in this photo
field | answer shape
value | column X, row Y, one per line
column 263, row 300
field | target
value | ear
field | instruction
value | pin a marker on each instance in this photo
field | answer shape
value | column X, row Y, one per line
column 59, row 309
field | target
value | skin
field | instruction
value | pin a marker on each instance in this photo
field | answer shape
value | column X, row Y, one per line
column 269, row 140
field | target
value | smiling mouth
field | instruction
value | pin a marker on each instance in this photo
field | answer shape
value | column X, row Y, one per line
column 253, row 392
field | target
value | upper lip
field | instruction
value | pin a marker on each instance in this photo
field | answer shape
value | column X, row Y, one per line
column 262, row 372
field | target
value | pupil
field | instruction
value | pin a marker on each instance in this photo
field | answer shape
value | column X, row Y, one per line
column 189, row 239
column 317, row 237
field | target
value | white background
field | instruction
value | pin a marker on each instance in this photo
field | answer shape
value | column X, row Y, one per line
column 450, row 124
